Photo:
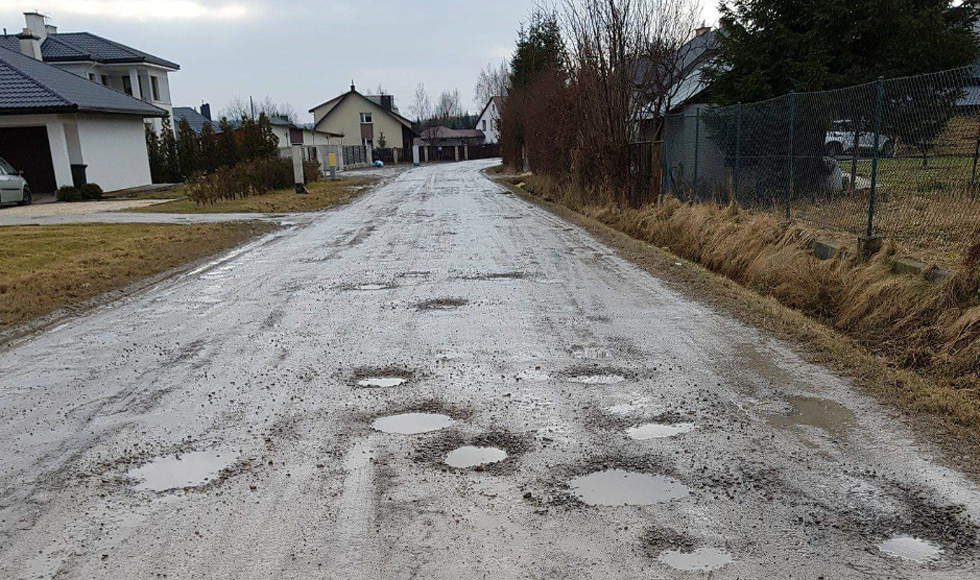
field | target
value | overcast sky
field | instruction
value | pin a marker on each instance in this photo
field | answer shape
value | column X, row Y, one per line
column 302, row 52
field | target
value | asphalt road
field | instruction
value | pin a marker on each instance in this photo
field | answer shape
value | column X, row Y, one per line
column 214, row 426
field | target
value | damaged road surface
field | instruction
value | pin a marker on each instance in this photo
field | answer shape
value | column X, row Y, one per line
column 443, row 381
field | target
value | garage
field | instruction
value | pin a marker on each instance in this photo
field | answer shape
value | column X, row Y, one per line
column 28, row 150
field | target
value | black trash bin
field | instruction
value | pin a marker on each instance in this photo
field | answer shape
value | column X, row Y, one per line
column 78, row 175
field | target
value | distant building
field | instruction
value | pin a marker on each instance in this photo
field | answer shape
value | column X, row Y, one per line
column 362, row 120
column 489, row 120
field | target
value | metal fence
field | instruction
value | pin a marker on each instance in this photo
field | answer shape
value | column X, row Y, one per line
column 894, row 158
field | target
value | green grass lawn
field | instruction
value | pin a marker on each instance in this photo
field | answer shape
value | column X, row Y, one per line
column 907, row 175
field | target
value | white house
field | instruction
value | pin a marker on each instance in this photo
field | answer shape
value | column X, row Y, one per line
column 101, row 61
column 489, row 120
column 61, row 129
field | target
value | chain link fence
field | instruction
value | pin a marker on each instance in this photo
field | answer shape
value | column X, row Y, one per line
column 893, row 158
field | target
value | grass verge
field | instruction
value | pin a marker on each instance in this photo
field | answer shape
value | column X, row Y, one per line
column 914, row 344
column 43, row 269
column 323, row 195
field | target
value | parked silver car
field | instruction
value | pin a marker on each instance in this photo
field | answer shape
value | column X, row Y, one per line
column 13, row 186
column 840, row 140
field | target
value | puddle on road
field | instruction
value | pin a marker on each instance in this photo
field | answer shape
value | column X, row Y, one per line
column 702, row 559
column 912, row 549
column 469, row 456
column 411, row 423
column 658, row 430
column 381, row 382
column 825, row 414
column 600, row 379
column 372, row 287
column 590, row 352
column 442, row 304
column 617, row 487
column 177, row 472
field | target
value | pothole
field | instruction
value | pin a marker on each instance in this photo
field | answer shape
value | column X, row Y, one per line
column 194, row 469
column 497, row 276
column 699, row 560
column 373, row 287
column 912, row 549
column 596, row 375
column 441, row 304
column 470, row 456
column 825, row 414
column 658, row 430
column 617, row 487
column 599, row 379
column 381, row 382
column 411, row 423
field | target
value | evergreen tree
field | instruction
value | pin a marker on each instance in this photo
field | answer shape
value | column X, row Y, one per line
column 539, row 49
column 157, row 165
column 227, row 144
column 209, row 157
column 170, row 154
column 773, row 47
column 188, row 148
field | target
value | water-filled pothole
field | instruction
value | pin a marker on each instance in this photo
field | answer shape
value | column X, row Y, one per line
column 469, row 456
column 372, row 287
column 442, row 304
column 909, row 548
column 381, row 382
column 617, row 487
column 411, row 423
column 658, row 430
column 702, row 559
column 598, row 379
column 179, row 471
column 825, row 414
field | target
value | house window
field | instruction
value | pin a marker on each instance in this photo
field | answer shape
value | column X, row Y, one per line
column 484, row 125
column 368, row 142
column 155, row 85
column 367, row 118
column 105, row 80
column 91, row 77
column 128, row 85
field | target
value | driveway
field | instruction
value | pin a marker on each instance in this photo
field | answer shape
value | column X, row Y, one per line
column 309, row 408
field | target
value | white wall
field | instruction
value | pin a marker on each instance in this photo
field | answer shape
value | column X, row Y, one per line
column 492, row 118
column 114, row 148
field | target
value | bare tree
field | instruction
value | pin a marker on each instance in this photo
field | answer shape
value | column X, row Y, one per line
column 421, row 106
column 492, row 82
column 238, row 108
column 449, row 107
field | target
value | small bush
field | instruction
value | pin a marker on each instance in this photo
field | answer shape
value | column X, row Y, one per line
column 91, row 191
column 68, row 193
column 311, row 171
column 248, row 178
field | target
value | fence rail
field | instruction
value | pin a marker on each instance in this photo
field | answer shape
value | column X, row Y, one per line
column 895, row 158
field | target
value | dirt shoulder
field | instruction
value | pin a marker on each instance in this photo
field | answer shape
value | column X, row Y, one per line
column 323, row 195
column 944, row 415
column 47, row 268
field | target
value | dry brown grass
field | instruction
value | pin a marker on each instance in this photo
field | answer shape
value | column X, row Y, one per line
column 932, row 329
column 323, row 195
column 46, row 268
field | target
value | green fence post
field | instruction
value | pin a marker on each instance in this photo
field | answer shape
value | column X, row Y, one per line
column 879, row 98
column 697, row 144
column 663, row 162
column 792, row 127
column 738, row 149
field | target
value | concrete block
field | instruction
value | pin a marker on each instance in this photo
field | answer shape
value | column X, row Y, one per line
column 827, row 250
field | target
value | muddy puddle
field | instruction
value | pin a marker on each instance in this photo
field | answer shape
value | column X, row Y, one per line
column 179, row 471
column 442, row 304
column 658, row 430
column 912, row 549
column 411, row 423
column 824, row 414
column 597, row 379
column 617, row 487
column 469, row 456
column 381, row 382
column 700, row 560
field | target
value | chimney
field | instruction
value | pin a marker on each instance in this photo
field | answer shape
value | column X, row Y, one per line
column 30, row 44
column 206, row 111
column 387, row 102
column 35, row 23
column 701, row 31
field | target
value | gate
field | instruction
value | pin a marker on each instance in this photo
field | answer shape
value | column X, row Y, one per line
column 640, row 173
